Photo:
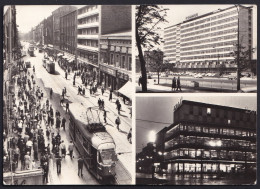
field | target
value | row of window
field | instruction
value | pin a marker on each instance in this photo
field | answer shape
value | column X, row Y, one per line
column 90, row 43
column 210, row 40
column 88, row 20
column 222, row 154
column 233, row 30
column 234, row 42
column 222, row 27
column 88, row 31
column 210, row 24
column 91, row 57
column 209, row 19
column 171, row 42
column 212, row 142
column 170, row 34
column 87, row 9
column 210, row 130
column 207, row 56
column 209, row 51
column 121, row 61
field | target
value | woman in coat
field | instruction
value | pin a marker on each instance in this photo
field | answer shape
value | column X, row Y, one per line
column 173, row 83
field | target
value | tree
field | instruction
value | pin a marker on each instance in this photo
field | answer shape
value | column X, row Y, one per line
column 222, row 69
column 147, row 19
column 155, row 61
column 242, row 57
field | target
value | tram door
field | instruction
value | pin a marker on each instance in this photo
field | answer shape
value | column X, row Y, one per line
column 93, row 159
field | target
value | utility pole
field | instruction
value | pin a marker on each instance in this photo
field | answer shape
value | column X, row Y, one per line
column 238, row 50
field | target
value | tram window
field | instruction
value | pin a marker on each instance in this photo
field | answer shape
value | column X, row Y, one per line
column 208, row 111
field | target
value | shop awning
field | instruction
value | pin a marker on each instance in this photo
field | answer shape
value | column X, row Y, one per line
column 127, row 90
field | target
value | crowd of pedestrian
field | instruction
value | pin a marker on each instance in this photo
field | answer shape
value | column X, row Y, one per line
column 28, row 146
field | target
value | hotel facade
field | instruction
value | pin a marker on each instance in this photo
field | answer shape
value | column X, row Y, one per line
column 205, row 42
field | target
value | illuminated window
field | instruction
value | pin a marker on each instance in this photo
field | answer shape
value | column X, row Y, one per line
column 229, row 121
column 209, row 111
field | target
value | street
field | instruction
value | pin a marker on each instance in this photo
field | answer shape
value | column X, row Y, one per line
column 205, row 84
column 57, row 82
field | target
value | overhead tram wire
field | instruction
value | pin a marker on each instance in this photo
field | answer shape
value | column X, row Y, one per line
column 152, row 121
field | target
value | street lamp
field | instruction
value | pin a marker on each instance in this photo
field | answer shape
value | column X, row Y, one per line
column 152, row 138
column 238, row 49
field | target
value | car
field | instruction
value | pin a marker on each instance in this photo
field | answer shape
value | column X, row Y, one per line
column 232, row 76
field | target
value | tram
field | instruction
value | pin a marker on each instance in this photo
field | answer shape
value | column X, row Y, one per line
column 50, row 67
column 31, row 50
column 93, row 142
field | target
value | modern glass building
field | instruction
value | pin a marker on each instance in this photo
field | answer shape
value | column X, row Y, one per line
column 206, row 42
column 211, row 139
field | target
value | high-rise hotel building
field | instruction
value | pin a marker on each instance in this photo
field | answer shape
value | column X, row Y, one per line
column 205, row 42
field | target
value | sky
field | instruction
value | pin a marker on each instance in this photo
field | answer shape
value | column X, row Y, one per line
column 29, row 16
column 160, row 109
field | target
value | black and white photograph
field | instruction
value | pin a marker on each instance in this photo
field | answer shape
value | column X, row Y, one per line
column 196, row 140
column 196, row 48
column 67, row 109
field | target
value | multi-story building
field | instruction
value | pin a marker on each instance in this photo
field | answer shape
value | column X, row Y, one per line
column 205, row 43
column 115, row 45
column 115, row 59
column 68, row 34
column 57, row 14
column 99, row 24
column 88, row 35
column 205, row 139
column 48, row 34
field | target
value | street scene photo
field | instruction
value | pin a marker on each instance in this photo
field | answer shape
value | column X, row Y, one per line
column 196, row 140
column 196, row 48
column 67, row 95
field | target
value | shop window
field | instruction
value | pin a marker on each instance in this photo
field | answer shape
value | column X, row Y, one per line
column 229, row 121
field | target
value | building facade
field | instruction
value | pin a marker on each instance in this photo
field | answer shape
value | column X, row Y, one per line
column 206, row 42
column 210, row 139
column 68, row 33
column 57, row 14
column 115, row 59
column 205, row 140
column 88, row 35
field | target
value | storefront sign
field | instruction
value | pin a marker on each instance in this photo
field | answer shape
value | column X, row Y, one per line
column 108, row 70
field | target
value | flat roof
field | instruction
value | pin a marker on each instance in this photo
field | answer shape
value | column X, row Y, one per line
column 204, row 15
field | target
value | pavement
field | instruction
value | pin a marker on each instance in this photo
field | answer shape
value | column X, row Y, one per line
column 57, row 82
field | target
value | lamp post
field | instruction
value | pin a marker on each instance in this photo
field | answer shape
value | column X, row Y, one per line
column 238, row 50
column 152, row 138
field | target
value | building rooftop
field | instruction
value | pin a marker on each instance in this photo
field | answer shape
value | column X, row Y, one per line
column 204, row 15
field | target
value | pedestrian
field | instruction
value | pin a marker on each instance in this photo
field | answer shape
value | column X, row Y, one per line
column 129, row 136
column 63, row 123
column 118, row 122
column 102, row 104
column 178, row 83
column 65, row 91
column 70, row 149
column 105, row 116
column 27, row 160
column 80, row 166
column 58, row 164
column 140, row 81
column 119, row 107
column 58, row 124
column 66, row 75
column 173, row 84
column 63, row 149
column 79, row 89
column 102, row 90
column 110, row 95
column 45, row 172
column 67, row 107
column 99, row 103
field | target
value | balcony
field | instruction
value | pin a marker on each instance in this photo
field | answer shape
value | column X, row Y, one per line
column 88, row 25
column 87, row 48
column 87, row 14
column 85, row 36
